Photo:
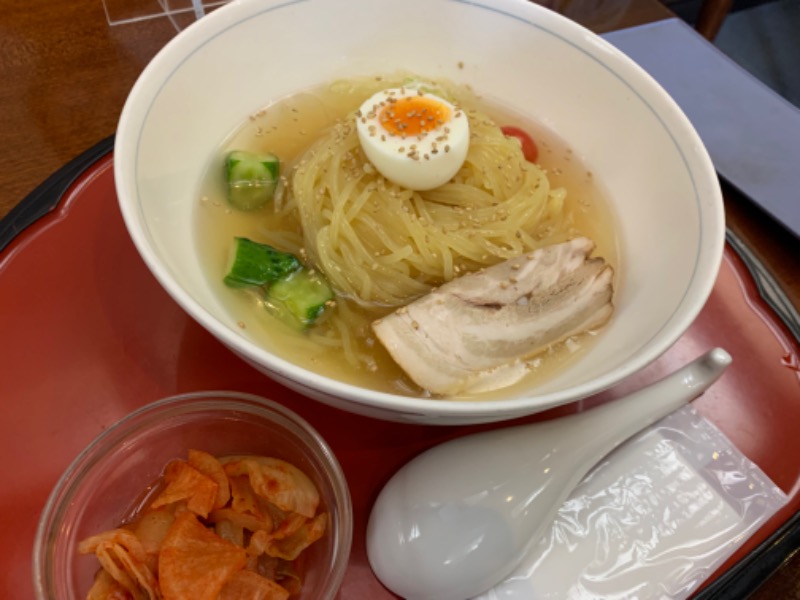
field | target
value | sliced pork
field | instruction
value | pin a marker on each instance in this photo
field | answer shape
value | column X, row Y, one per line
column 475, row 333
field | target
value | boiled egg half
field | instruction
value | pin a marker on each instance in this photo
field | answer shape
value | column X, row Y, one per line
column 413, row 137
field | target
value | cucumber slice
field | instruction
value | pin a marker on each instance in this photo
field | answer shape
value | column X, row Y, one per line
column 299, row 298
column 254, row 264
column 252, row 178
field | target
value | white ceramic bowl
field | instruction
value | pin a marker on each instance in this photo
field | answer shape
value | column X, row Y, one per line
column 622, row 124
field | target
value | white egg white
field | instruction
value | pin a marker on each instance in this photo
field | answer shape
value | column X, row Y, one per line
column 424, row 159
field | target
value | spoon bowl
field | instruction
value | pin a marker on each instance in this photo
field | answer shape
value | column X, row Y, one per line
column 457, row 519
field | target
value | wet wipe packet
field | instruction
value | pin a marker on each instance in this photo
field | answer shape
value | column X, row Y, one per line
column 653, row 520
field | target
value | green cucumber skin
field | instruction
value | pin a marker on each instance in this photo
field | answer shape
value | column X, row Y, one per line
column 300, row 298
column 256, row 264
column 251, row 178
column 295, row 294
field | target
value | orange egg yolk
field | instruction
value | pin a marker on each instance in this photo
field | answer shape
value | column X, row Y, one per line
column 414, row 115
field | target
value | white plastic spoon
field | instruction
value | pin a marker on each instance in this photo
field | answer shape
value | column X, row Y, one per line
column 458, row 518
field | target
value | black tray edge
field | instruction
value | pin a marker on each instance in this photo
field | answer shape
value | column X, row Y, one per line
column 48, row 194
column 749, row 573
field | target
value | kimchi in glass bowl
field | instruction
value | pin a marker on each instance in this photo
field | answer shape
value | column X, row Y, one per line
column 111, row 481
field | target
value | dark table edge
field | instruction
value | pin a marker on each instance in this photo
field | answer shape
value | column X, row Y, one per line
column 740, row 581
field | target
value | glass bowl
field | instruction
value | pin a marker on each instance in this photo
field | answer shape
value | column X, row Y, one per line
column 102, row 486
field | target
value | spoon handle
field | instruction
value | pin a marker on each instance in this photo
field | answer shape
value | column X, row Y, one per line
column 626, row 416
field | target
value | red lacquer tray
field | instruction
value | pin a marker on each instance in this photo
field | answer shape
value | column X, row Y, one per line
column 88, row 335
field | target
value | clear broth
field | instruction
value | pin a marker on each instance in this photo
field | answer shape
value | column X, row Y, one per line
column 286, row 128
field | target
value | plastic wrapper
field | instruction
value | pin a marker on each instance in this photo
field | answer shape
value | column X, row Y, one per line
column 652, row 520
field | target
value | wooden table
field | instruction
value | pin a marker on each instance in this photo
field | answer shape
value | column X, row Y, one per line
column 65, row 75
